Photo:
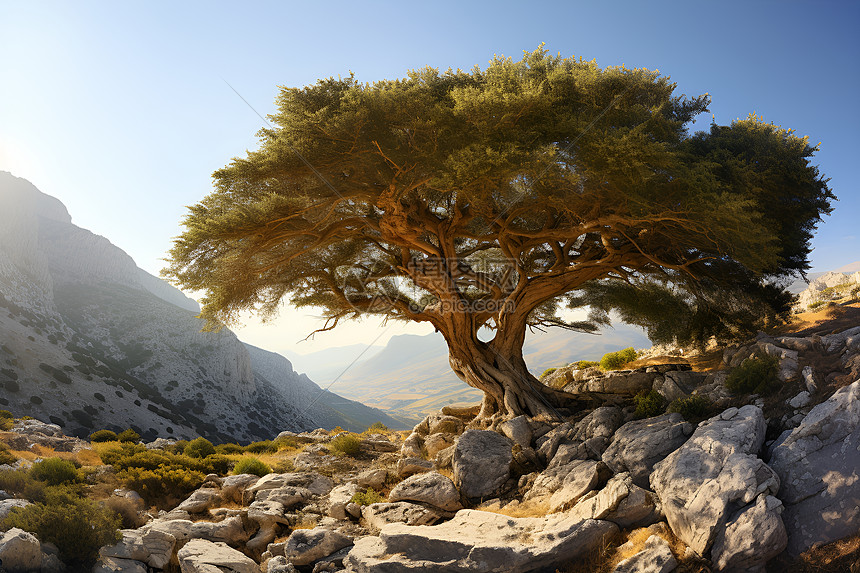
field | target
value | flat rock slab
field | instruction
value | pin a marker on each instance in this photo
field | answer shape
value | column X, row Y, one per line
column 378, row 515
column 431, row 488
column 819, row 467
column 308, row 545
column 201, row 556
column 151, row 546
column 480, row 542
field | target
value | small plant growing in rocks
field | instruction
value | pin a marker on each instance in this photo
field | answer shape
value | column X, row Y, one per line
column 694, row 407
column 251, row 466
column 368, row 497
column 755, row 375
column 55, row 471
column 199, row 448
column 649, row 404
column 546, row 373
column 615, row 360
column 6, row 457
column 345, row 445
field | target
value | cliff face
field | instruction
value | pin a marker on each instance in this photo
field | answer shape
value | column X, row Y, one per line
column 89, row 341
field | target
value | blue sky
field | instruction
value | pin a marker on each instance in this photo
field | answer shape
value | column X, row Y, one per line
column 120, row 109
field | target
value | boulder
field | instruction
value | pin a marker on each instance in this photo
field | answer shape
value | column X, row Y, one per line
column 819, row 467
column 655, row 557
column 640, row 444
column 280, row 564
column 678, row 384
column 413, row 444
column 548, row 443
column 200, row 500
column 233, row 487
column 150, row 546
column 620, row 501
column 339, row 498
column 482, row 463
column 753, row 536
column 441, row 423
column 411, row 466
column 201, row 556
column 312, row 481
column 480, row 542
column 599, row 423
column 268, row 514
column 20, row 551
column 305, row 546
column 435, row 443
column 565, row 480
column 431, row 488
column 372, row 478
column 714, row 473
column 518, row 430
column 8, row 505
column 288, row 495
column 378, row 515
column 116, row 565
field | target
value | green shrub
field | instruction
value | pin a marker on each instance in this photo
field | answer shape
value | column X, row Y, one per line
column 251, row 466
column 615, row 360
column 694, row 407
column 126, row 509
column 229, row 449
column 128, row 435
column 649, row 404
column 178, row 447
column 583, row 364
column 6, row 457
column 77, row 526
column 199, row 448
column 756, row 375
column 20, row 483
column 817, row 304
column 55, row 471
column 214, row 464
column 103, row 436
column 162, row 485
column 367, row 498
column 6, row 414
column 377, row 427
column 345, row 444
column 262, row 447
column 546, row 373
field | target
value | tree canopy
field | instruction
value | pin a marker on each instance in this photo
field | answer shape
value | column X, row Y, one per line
column 493, row 198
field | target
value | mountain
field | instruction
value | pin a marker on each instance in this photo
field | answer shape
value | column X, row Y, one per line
column 849, row 268
column 327, row 364
column 90, row 341
column 411, row 375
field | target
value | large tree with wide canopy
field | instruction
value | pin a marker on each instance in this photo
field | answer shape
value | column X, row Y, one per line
column 487, row 201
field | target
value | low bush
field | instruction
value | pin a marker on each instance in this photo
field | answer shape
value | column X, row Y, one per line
column 128, row 435
column 756, row 375
column 377, row 427
column 615, row 360
column 368, row 497
column 7, row 421
column 229, row 449
column 163, row 485
column 694, row 407
column 817, row 304
column 546, row 373
column 178, row 447
column 6, row 457
column 126, row 509
column 649, row 404
column 345, row 444
column 199, row 448
column 20, row 483
column 55, row 471
column 262, row 447
column 583, row 364
column 103, row 436
column 77, row 526
column 251, row 466
column 284, row 467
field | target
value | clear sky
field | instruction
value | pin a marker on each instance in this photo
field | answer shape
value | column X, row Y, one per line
column 120, row 109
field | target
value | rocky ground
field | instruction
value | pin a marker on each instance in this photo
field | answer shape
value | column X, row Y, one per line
column 754, row 483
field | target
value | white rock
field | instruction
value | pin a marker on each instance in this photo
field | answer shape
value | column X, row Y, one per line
column 640, row 444
column 655, row 557
column 339, row 498
column 201, row 556
column 751, row 538
column 482, row 463
column 799, row 401
column 151, row 546
column 305, row 546
column 377, row 515
column 431, row 488
column 20, row 551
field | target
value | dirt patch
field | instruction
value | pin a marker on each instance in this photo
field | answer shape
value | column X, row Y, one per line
column 841, row 556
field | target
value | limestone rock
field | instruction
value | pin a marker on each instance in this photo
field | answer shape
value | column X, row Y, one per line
column 412, row 445
column 305, row 546
column 431, row 488
column 201, row 556
column 640, row 444
column 312, row 481
column 819, row 466
column 411, row 466
column 655, row 557
column 377, row 515
column 482, row 460
column 116, row 565
column 435, row 443
column 372, row 478
column 518, row 430
column 200, row 500
column 339, row 498
column 440, row 423
column 712, row 474
column 20, row 551
column 280, row 564
column 233, row 487
column 565, row 480
column 751, row 538
column 620, row 501
column 8, row 505
column 288, row 495
column 480, row 542
column 150, row 546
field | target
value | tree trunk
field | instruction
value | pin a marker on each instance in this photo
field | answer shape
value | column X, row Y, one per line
column 499, row 370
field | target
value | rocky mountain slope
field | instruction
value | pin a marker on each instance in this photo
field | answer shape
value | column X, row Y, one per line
column 89, row 341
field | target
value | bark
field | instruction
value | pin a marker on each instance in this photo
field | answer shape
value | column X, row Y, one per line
column 498, row 369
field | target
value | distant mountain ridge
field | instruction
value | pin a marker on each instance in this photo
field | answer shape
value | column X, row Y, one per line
column 89, row 340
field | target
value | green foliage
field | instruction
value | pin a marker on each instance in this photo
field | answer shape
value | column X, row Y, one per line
column 368, row 497
column 77, row 526
column 55, row 471
column 546, row 373
column 6, row 457
column 694, row 407
column 228, row 449
column 199, row 448
column 251, row 466
column 163, row 485
column 615, row 360
column 583, row 364
column 284, row 466
column 817, row 304
column 103, row 436
column 6, row 415
column 377, row 427
column 128, row 435
column 20, row 483
column 345, row 444
column 649, row 404
column 756, row 375
column 7, row 421
column 262, row 447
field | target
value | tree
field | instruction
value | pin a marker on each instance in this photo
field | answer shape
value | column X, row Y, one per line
column 483, row 201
